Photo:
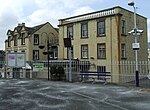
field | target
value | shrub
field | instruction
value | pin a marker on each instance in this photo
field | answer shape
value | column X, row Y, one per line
column 53, row 70
column 60, row 70
column 57, row 72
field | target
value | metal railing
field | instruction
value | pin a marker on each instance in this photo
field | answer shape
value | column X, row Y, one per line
column 124, row 76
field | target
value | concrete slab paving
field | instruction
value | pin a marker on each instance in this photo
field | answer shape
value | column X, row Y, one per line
column 18, row 94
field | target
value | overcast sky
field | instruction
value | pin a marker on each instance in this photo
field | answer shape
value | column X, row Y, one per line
column 35, row 12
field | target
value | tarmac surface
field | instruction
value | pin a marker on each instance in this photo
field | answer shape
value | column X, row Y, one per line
column 18, row 94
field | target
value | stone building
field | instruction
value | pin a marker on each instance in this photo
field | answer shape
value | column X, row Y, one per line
column 27, row 40
column 102, row 38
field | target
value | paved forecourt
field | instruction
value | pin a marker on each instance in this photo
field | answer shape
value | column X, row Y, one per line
column 52, row 95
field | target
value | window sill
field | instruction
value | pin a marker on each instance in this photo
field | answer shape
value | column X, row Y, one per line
column 84, row 37
column 101, row 58
column 84, row 58
column 101, row 35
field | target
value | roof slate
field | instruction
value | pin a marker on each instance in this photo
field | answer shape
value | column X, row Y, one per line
column 30, row 30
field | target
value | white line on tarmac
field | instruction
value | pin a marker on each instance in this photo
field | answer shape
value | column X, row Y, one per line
column 117, row 106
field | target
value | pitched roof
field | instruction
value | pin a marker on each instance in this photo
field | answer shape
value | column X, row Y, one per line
column 30, row 30
column 18, row 28
column 11, row 32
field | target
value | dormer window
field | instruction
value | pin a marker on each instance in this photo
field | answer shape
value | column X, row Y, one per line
column 15, row 40
column 9, row 41
column 22, row 38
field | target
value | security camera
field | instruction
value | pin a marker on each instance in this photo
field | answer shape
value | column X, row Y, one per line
column 135, row 31
column 132, row 31
column 140, row 31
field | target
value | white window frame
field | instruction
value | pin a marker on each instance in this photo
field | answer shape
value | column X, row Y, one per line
column 36, row 39
column 23, row 38
column 84, row 51
column 101, row 51
column 35, row 54
column 84, row 30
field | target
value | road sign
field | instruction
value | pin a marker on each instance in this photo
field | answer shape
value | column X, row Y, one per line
column 135, row 46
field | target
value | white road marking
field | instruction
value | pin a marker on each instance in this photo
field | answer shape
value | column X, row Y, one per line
column 122, row 108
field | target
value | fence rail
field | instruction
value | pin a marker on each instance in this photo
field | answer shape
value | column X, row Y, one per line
column 125, row 74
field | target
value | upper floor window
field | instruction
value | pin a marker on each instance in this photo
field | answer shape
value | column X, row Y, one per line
column 15, row 40
column 9, row 41
column 55, row 54
column 84, row 30
column 35, row 54
column 36, row 39
column 84, row 51
column 101, row 27
column 123, row 51
column 101, row 51
column 70, row 31
column 22, row 38
column 123, row 27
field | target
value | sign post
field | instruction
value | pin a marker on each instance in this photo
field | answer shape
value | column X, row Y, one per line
column 67, row 43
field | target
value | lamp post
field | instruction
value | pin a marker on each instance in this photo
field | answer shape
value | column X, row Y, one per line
column 48, row 50
column 70, row 66
column 135, row 32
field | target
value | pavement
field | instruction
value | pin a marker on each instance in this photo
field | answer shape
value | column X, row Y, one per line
column 19, row 94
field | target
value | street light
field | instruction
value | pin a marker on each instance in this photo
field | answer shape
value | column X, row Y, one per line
column 135, row 32
column 49, row 51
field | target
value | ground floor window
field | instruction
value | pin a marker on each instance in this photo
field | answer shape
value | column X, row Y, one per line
column 84, row 51
column 35, row 54
column 101, row 68
column 101, row 51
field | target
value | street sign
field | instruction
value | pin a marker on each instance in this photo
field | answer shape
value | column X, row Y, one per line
column 135, row 46
column 38, row 66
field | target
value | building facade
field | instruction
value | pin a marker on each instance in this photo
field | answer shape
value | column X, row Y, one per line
column 2, row 58
column 102, row 38
column 27, row 40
